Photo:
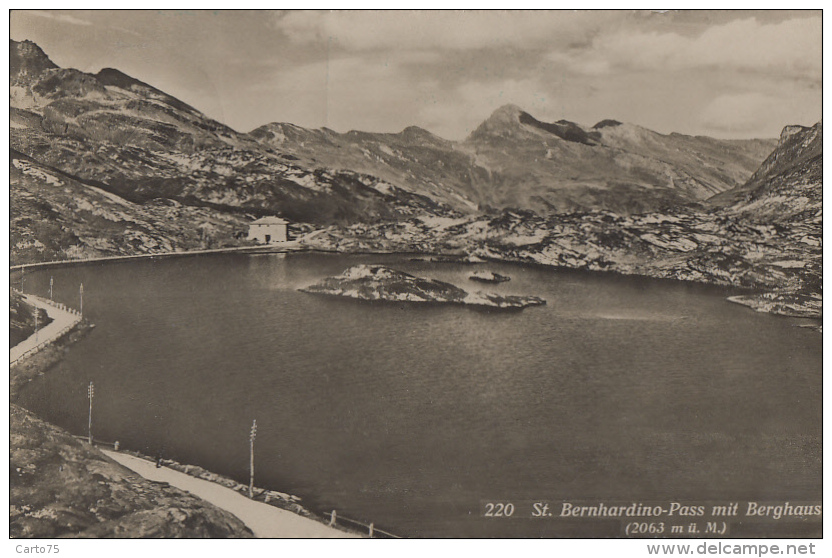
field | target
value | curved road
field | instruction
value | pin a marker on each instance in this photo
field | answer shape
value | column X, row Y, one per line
column 265, row 521
column 61, row 320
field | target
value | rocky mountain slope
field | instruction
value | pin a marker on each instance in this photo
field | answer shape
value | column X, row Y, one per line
column 787, row 193
column 61, row 487
column 787, row 188
column 513, row 160
column 414, row 159
column 55, row 216
column 124, row 137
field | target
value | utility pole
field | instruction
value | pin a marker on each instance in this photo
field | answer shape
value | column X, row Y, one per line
column 36, row 325
column 50, row 287
column 90, row 393
column 251, row 440
column 82, row 299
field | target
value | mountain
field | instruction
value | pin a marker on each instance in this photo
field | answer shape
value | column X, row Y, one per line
column 788, row 186
column 513, row 160
column 564, row 166
column 54, row 215
column 414, row 159
column 27, row 59
column 105, row 164
column 124, row 137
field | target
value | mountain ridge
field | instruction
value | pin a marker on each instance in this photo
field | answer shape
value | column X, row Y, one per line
column 513, row 160
column 141, row 144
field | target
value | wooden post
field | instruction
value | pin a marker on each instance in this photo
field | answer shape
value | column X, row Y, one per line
column 90, row 394
column 36, row 325
column 251, row 440
column 332, row 518
column 82, row 298
column 50, row 287
column 371, row 530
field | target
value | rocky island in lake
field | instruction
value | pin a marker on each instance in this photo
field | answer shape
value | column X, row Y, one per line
column 377, row 282
column 489, row 277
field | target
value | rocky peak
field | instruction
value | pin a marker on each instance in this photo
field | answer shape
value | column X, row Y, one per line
column 501, row 122
column 27, row 59
column 416, row 131
column 511, row 120
column 789, row 131
column 505, row 116
column 420, row 136
column 797, row 145
column 509, row 111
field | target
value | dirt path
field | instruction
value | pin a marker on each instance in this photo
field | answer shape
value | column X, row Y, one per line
column 61, row 321
column 265, row 521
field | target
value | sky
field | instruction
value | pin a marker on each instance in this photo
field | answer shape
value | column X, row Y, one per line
column 726, row 74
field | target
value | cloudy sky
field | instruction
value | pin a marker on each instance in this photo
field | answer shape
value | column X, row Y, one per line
column 724, row 74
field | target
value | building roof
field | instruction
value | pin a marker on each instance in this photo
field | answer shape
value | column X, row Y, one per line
column 270, row 221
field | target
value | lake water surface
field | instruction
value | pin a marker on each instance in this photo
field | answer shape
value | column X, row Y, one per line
column 618, row 390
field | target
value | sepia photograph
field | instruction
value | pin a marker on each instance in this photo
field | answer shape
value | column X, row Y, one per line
column 416, row 274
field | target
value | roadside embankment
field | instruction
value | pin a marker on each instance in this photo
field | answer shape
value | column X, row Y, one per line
column 264, row 520
column 62, row 487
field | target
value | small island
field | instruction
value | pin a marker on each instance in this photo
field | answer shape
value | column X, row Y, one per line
column 380, row 283
column 489, row 277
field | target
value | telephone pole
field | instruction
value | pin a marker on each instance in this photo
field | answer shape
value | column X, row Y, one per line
column 251, row 440
column 90, row 394
column 50, row 287
column 82, row 299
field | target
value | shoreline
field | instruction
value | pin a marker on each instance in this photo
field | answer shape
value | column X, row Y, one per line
column 748, row 297
column 277, row 249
